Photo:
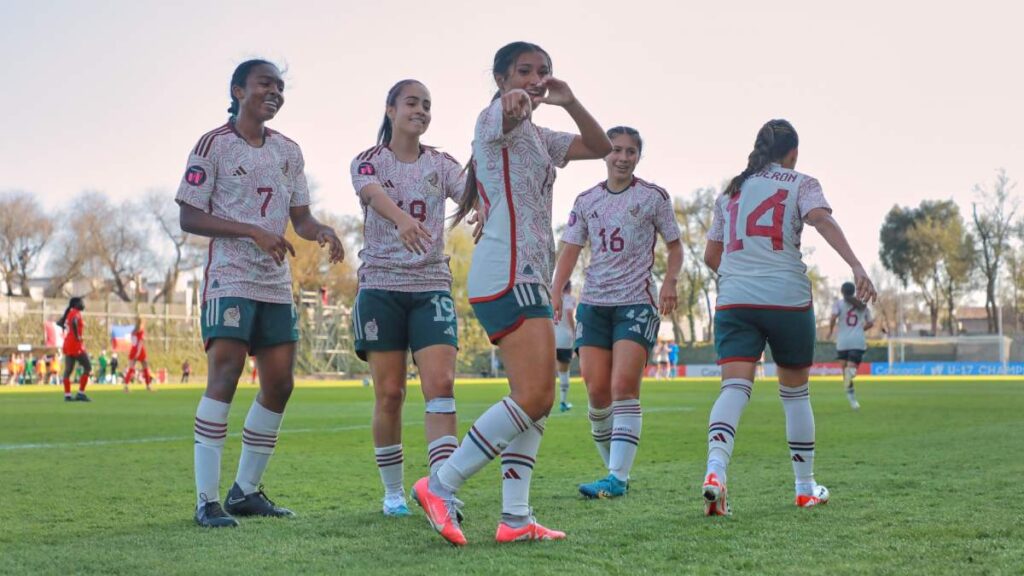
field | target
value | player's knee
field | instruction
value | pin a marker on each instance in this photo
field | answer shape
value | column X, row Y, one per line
column 438, row 385
column 390, row 399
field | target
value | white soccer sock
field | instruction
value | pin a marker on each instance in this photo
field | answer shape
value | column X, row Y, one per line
column 389, row 462
column 211, row 428
column 800, row 434
column 440, row 450
column 628, row 420
column 848, row 373
column 725, row 417
column 601, row 430
column 259, row 437
column 487, row 437
column 563, row 386
column 517, row 461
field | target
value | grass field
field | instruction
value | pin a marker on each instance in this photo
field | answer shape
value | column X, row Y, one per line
column 925, row 479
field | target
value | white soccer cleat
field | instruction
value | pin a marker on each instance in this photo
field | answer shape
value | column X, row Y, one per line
column 817, row 497
column 715, row 502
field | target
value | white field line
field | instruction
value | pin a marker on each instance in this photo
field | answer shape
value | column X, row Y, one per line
column 155, row 439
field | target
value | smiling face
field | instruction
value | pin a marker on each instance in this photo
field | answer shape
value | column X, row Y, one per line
column 624, row 156
column 263, row 93
column 410, row 112
column 526, row 73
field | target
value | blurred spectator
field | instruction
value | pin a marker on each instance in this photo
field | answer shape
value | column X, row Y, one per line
column 101, row 376
column 186, row 371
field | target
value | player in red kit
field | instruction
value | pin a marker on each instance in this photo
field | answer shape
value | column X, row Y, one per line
column 138, row 354
column 74, row 349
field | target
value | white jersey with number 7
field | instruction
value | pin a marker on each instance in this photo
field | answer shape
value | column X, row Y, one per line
column 760, row 228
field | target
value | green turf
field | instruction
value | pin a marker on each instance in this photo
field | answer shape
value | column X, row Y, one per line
column 925, row 479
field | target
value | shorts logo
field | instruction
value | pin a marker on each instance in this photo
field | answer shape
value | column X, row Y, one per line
column 450, row 331
column 233, row 317
column 195, row 175
column 371, row 331
column 366, row 169
column 579, row 329
column 636, row 328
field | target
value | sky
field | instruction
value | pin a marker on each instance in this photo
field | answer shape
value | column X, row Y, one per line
column 895, row 102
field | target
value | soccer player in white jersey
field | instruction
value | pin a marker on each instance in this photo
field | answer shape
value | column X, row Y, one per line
column 618, row 316
column 764, row 296
column 404, row 301
column 509, row 180
column 243, row 183
column 565, row 333
column 854, row 319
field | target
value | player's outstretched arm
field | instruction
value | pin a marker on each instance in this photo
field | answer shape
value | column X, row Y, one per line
column 563, row 269
column 829, row 229
column 309, row 228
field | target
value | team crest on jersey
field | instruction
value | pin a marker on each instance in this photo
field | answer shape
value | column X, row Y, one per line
column 233, row 317
column 371, row 331
column 432, row 179
column 366, row 169
column 572, row 218
column 195, row 175
column 284, row 169
column 635, row 211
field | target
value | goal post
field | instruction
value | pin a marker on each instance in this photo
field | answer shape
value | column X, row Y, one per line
column 983, row 348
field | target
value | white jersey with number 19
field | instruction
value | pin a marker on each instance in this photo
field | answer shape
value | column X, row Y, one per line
column 760, row 227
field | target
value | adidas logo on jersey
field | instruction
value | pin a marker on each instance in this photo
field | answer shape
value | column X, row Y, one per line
column 388, row 184
column 240, row 171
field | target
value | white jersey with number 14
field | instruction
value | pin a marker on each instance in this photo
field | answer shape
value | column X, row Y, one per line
column 760, row 227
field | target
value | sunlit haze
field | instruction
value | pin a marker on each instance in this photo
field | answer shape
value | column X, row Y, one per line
column 895, row 102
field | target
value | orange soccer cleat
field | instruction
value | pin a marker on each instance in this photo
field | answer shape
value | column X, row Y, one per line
column 440, row 513
column 715, row 502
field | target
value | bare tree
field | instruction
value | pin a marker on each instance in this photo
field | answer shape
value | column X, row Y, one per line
column 187, row 248
column 24, row 231
column 101, row 241
column 993, row 224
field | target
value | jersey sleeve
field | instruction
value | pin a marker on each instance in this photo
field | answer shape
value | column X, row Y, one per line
column 810, row 196
column 197, row 184
column 364, row 173
column 557, row 144
column 835, row 308
column 300, row 187
column 453, row 177
column 665, row 219
column 576, row 229
column 717, row 231
column 489, row 126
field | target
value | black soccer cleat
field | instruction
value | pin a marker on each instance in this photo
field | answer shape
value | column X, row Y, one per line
column 211, row 515
column 69, row 399
column 81, row 397
column 255, row 504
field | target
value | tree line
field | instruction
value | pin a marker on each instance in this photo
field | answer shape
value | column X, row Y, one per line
column 119, row 247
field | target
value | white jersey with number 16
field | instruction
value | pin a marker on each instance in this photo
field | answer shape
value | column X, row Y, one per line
column 760, row 227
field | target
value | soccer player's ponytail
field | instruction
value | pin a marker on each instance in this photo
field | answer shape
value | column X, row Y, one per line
column 849, row 290
column 775, row 139
column 504, row 59
column 384, row 134
column 75, row 302
column 238, row 79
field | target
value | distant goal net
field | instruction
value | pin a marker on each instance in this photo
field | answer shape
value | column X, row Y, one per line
column 966, row 349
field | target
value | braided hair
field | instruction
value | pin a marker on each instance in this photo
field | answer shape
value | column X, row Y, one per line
column 774, row 140
column 239, row 77
column 75, row 302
